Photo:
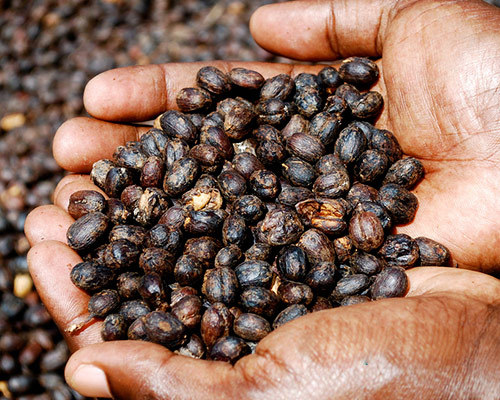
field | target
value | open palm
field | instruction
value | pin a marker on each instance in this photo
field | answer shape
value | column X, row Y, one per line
column 440, row 74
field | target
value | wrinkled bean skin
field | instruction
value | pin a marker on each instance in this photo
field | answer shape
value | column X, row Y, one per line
column 164, row 328
column 401, row 204
column 391, row 282
column 432, row 252
column 400, row 251
column 85, row 232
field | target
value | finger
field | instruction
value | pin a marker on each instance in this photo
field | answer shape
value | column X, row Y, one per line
column 322, row 30
column 50, row 263
column 63, row 195
column 133, row 369
column 47, row 222
column 141, row 93
column 436, row 280
column 68, row 179
column 80, row 142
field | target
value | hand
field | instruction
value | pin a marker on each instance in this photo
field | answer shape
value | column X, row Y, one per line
column 439, row 88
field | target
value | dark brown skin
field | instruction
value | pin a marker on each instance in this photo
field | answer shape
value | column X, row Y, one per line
column 440, row 342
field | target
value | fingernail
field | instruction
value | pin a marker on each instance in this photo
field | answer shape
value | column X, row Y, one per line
column 90, row 381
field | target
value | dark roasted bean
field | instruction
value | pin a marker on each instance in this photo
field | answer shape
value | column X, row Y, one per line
column 193, row 99
column 176, row 149
column 234, row 230
column 220, row 285
column 325, row 127
column 343, row 248
column 128, row 284
column 378, row 210
column 391, row 282
column 164, row 328
column 229, row 256
column 99, row 172
column 246, row 164
column 216, row 137
column 157, row 260
column 400, row 250
column 232, row 185
column 204, row 248
column 254, row 273
column 358, row 71
column 308, row 101
column 265, row 184
column 181, row 176
column 350, row 144
column 90, row 276
column 291, row 195
column 117, row 213
column 356, row 299
column 321, row 277
column 85, row 232
column 334, row 184
column 216, row 322
column 154, row 143
column 213, row 80
column 133, row 309
column 177, row 125
column 188, row 270
column 273, row 111
column 249, row 207
column 366, row 231
column 121, row 254
column 365, row 263
column 401, row 204
column 250, row 326
column 203, row 222
column 330, row 79
column 368, row 106
column 102, row 303
column 305, row 146
column 317, row 246
column 137, row 329
column 246, row 78
column 298, row 172
column 188, row 311
column 432, row 252
column 371, row 166
column 406, row 173
column 208, row 157
column 280, row 87
column 296, row 124
column 292, row 263
column 132, row 233
column 259, row 251
column 289, row 314
column 385, row 142
column 194, row 348
column 259, row 300
column 114, row 327
column 229, row 349
column 280, row 227
column 295, row 293
column 85, row 201
column 349, row 286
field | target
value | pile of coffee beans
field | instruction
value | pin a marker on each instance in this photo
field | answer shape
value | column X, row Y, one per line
column 257, row 202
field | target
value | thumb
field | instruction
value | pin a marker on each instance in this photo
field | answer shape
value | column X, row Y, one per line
column 135, row 369
column 322, row 30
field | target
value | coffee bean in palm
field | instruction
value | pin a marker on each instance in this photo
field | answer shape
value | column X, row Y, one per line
column 305, row 146
column 132, row 233
column 279, row 87
column 291, row 195
column 216, row 322
column 336, row 106
column 264, row 184
column 133, row 309
column 273, row 111
column 234, row 230
column 177, row 125
column 246, row 78
column 188, row 270
column 350, row 144
column 371, row 166
column 163, row 328
column 378, row 210
column 203, row 222
column 289, row 314
column 213, row 80
column 90, row 276
column 99, row 172
column 359, row 71
column 259, row 251
column 86, row 231
column 161, row 236
column 154, row 143
column 121, row 254
column 239, row 121
column 366, row 231
column 259, row 300
column 292, row 263
column 360, row 192
column 290, row 292
column 127, row 284
column 254, row 273
column 85, row 201
column 348, row 93
column 249, row 207
column 130, row 156
column 176, row 149
column 328, row 163
column 229, row 349
column 104, row 302
column 229, row 256
column 432, row 252
column 174, row 217
column 152, row 289
column 137, row 329
column 308, row 101
column 203, row 248
column 114, row 327
column 157, row 260
column 321, row 277
column 188, row 310
column 334, row 184
column 116, row 212
column 391, row 282
column 401, row 203
column 220, row 285
column 349, row 286
column 246, row 164
column 344, row 247
column 194, row 348
column 325, row 127
column 250, row 326
column 368, row 106
column 384, row 141
column 181, row 176
column 365, row 263
column 208, row 157
column 356, row 299
column 330, row 79
column 400, row 251
column 271, row 152
column 152, row 172
column 405, row 172
column 297, row 123
column 306, row 81
column 232, row 184
column 298, row 172
column 320, row 304
column 317, row 247
column 280, row 227
column 193, row 99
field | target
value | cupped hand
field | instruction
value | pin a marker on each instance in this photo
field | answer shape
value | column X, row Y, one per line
column 440, row 73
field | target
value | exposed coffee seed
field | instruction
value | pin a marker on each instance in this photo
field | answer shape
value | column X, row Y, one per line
column 400, row 250
column 246, row 79
column 90, row 276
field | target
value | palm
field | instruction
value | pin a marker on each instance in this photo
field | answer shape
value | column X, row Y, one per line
column 444, row 110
